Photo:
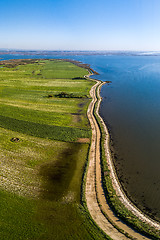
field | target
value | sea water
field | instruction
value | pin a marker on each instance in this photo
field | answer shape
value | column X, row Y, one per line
column 131, row 109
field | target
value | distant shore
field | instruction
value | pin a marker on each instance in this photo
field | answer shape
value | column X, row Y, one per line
column 76, row 52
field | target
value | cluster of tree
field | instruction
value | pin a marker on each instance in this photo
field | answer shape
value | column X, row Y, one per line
column 75, row 78
column 69, row 95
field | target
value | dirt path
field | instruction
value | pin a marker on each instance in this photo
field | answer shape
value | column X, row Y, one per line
column 115, row 180
column 95, row 198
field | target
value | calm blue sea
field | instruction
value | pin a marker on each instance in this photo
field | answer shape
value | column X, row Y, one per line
column 131, row 109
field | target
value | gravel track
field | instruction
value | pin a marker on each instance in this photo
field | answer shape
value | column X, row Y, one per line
column 95, row 198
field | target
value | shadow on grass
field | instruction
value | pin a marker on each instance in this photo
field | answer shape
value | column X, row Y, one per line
column 57, row 175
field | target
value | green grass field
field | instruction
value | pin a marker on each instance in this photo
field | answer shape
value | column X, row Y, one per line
column 41, row 173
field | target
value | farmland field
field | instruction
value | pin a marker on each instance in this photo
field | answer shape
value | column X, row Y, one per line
column 44, row 143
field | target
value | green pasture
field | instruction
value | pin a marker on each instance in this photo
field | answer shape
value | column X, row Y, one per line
column 41, row 173
column 24, row 93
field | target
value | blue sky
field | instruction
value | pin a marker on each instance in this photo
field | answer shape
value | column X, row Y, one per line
column 80, row 24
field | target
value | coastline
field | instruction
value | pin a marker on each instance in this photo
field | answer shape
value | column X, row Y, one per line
column 116, row 184
column 140, row 205
column 90, row 181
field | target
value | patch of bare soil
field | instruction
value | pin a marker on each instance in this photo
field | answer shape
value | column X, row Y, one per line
column 83, row 140
column 15, row 62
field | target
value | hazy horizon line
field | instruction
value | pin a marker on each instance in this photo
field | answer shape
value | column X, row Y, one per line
column 77, row 50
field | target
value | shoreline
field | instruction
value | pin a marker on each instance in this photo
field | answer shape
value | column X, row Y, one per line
column 116, row 184
column 94, row 193
column 90, row 182
column 154, row 222
column 139, row 205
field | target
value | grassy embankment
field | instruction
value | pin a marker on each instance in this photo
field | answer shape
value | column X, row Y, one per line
column 118, row 207
column 41, row 172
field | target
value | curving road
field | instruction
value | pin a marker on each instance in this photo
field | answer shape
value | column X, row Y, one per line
column 94, row 193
